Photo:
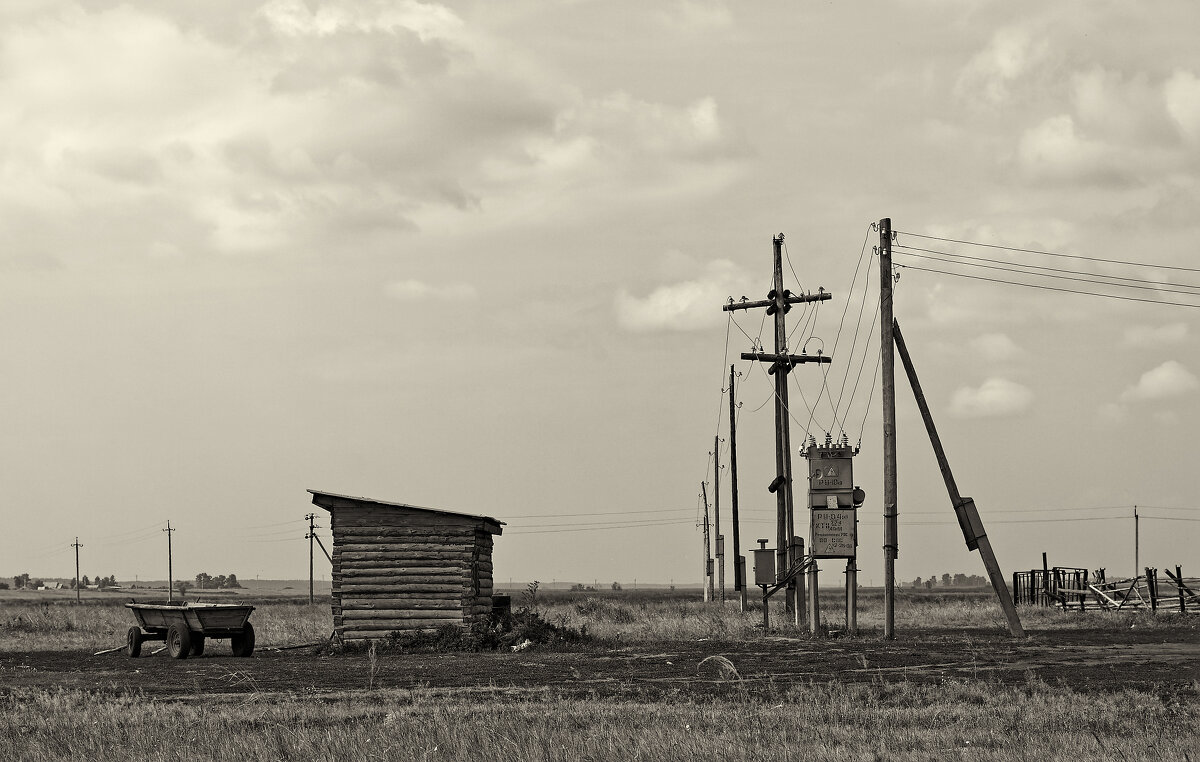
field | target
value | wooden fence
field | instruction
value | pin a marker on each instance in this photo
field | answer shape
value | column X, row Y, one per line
column 1077, row 589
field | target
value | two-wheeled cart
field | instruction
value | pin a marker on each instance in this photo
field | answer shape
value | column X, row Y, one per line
column 185, row 626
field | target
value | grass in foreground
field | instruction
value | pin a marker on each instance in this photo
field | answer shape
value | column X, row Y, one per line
column 899, row 721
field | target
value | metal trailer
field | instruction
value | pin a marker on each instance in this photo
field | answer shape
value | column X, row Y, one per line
column 186, row 625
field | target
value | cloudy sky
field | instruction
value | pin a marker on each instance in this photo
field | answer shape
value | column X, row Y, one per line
column 472, row 256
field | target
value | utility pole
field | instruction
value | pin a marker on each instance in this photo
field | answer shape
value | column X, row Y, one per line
column 717, row 516
column 890, row 539
column 310, row 536
column 739, row 568
column 708, row 561
column 77, row 546
column 778, row 302
column 1137, row 570
column 170, row 571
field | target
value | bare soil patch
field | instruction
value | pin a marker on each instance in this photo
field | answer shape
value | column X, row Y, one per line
column 1083, row 659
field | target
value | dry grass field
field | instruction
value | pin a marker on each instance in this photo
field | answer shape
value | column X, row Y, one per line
column 658, row 677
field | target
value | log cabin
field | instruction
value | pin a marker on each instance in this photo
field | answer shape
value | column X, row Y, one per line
column 405, row 568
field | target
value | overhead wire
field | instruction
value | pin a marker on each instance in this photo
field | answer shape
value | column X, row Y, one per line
column 1051, row 253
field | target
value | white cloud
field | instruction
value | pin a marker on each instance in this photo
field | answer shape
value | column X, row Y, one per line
column 989, row 75
column 995, row 398
column 686, row 306
column 415, row 290
column 1152, row 336
column 995, row 347
column 1182, row 95
column 1055, row 150
column 1167, row 380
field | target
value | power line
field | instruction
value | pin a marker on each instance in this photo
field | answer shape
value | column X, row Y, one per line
column 1050, row 288
column 1052, row 254
column 1043, row 275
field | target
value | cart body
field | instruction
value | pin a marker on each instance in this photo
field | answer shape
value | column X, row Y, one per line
column 186, row 625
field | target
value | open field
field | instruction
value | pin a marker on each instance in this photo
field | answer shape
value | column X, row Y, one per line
column 952, row 686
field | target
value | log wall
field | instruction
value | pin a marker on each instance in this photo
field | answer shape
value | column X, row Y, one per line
column 408, row 570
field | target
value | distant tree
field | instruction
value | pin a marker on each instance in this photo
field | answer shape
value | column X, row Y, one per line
column 616, row 586
column 219, row 581
column 232, row 581
column 203, row 581
column 38, row 583
column 946, row 579
column 85, row 581
column 3, row 585
column 929, row 584
column 916, row 582
column 183, row 587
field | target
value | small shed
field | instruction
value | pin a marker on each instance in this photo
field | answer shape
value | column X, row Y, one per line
column 399, row 567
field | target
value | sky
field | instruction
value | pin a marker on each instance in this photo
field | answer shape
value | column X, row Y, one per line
column 472, row 256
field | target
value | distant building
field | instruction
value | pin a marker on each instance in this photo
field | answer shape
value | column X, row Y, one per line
column 400, row 567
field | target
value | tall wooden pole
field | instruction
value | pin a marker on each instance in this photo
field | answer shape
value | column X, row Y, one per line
column 794, row 605
column 77, row 546
column 170, row 571
column 311, row 536
column 708, row 560
column 1136, row 558
column 739, row 571
column 717, row 516
column 889, row 429
column 973, row 526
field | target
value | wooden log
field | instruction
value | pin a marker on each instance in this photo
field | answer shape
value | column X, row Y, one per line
column 388, row 563
column 391, row 604
column 457, row 582
column 449, row 574
column 402, row 517
column 381, row 634
column 356, row 596
column 398, row 615
column 403, row 530
column 359, row 588
column 419, row 559
column 405, row 624
column 389, row 545
column 375, row 538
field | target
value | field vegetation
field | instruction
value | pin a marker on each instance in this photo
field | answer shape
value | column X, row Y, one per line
column 884, row 716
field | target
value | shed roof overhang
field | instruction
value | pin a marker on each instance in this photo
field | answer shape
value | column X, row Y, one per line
column 330, row 500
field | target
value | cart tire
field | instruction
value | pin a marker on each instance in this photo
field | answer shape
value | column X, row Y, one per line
column 197, row 645
column 133, row 642
column 179, row 641
column 243, row 643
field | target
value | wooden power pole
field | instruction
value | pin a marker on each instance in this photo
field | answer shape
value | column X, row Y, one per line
column 708, row 561
column 964, row 507
column 717, row 516
column 311, row 536
column 888, row 363
column 77, row 546
column 170, row 571
column 739, row 567
column 778, row 302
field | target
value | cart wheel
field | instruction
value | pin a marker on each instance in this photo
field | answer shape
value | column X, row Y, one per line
column 179, row 641
column 243, row 643
column 133, row 642
column 197, row 645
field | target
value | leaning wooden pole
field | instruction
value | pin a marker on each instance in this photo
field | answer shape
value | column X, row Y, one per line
column 739, row 570
column 968, row 516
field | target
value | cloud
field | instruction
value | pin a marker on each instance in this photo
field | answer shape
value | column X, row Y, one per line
column 689, row 305
column 1182, row 95
column 995, row 347
column 1151, row 336
column 1055, row 150
column 1167, row 380
column 415, row 290
column 995, row 398
column 989, row 76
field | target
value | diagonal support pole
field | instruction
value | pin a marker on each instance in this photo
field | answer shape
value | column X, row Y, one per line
column 968, row 516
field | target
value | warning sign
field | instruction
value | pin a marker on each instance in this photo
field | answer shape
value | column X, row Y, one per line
column 831, row 473
column 833, row 532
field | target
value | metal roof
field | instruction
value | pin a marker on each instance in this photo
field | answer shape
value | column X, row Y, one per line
column 386, row 504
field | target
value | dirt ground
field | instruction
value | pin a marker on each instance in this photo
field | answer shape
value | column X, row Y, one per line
column 1085, row 660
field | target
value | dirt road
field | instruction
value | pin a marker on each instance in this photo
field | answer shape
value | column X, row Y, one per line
column 1082, row 659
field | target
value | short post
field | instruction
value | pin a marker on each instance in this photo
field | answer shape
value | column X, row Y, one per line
column 801, row 610
column 1179, row 585
column 851, row 597
column 1152, row 587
